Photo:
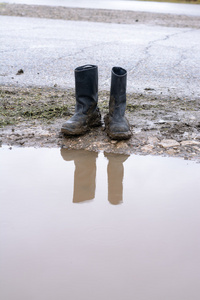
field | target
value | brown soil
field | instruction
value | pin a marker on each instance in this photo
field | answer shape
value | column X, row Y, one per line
column 100, row 15
column 33, row 117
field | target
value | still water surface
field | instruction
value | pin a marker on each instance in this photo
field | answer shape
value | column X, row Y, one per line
column 86, row 225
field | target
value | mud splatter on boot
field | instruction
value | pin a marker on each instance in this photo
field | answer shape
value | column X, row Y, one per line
column 117, row 126
column 87, row 113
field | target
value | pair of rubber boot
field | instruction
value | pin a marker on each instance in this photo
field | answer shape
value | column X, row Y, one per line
column 87, row 113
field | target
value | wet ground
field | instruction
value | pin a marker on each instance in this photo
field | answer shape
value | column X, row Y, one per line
column 160, row 126
column 88, row 225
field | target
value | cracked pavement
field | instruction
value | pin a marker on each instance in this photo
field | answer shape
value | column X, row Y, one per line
column 159, row 60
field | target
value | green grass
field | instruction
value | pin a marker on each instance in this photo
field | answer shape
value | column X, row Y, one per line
column 18, row 106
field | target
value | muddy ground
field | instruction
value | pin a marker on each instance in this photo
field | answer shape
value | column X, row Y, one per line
column 98, row 15
column 160, row 125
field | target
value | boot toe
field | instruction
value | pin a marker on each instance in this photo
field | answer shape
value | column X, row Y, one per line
column 74, row 126
column 118, row 129
column 80, row 123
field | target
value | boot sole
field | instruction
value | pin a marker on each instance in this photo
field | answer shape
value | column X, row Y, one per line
column 119, row 135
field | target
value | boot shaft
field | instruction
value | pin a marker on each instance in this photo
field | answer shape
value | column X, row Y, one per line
column 86, row 88
column 117, row 104
column 86, row 110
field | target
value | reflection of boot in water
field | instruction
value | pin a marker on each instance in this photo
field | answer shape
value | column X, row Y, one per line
column 115, row 172
column 85, row 173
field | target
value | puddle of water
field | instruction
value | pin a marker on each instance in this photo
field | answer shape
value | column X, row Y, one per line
column 85, row 225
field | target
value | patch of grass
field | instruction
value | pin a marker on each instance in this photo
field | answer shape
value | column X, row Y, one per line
column 133, row 107
column 47, row 112
column 139, row 107
column 21, row 105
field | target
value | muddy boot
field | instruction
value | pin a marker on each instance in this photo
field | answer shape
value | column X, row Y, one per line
column 117, row 126
column 86, row 111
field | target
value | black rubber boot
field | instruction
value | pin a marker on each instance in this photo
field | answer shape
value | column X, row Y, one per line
column 86, row 111
column 117, row 126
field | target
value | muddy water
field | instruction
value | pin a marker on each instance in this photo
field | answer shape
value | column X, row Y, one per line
column 83, row 225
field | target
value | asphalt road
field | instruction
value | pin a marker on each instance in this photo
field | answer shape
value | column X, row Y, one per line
column 158, row 59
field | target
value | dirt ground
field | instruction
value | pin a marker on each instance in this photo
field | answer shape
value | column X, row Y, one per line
column 160, row 126
column 100, row 15
column 32, row 116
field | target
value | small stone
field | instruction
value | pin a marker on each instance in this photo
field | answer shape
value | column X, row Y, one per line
column 20, row 71
column 121, row 145
column 147, row 148
column 149, row 89
column 98, row 145
column 170, row 152
column 153, row 140
column 161, row 121
column 12, row 137
column 167, row 143
column 187, row 143
column 46, row 135
column 196, row 148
